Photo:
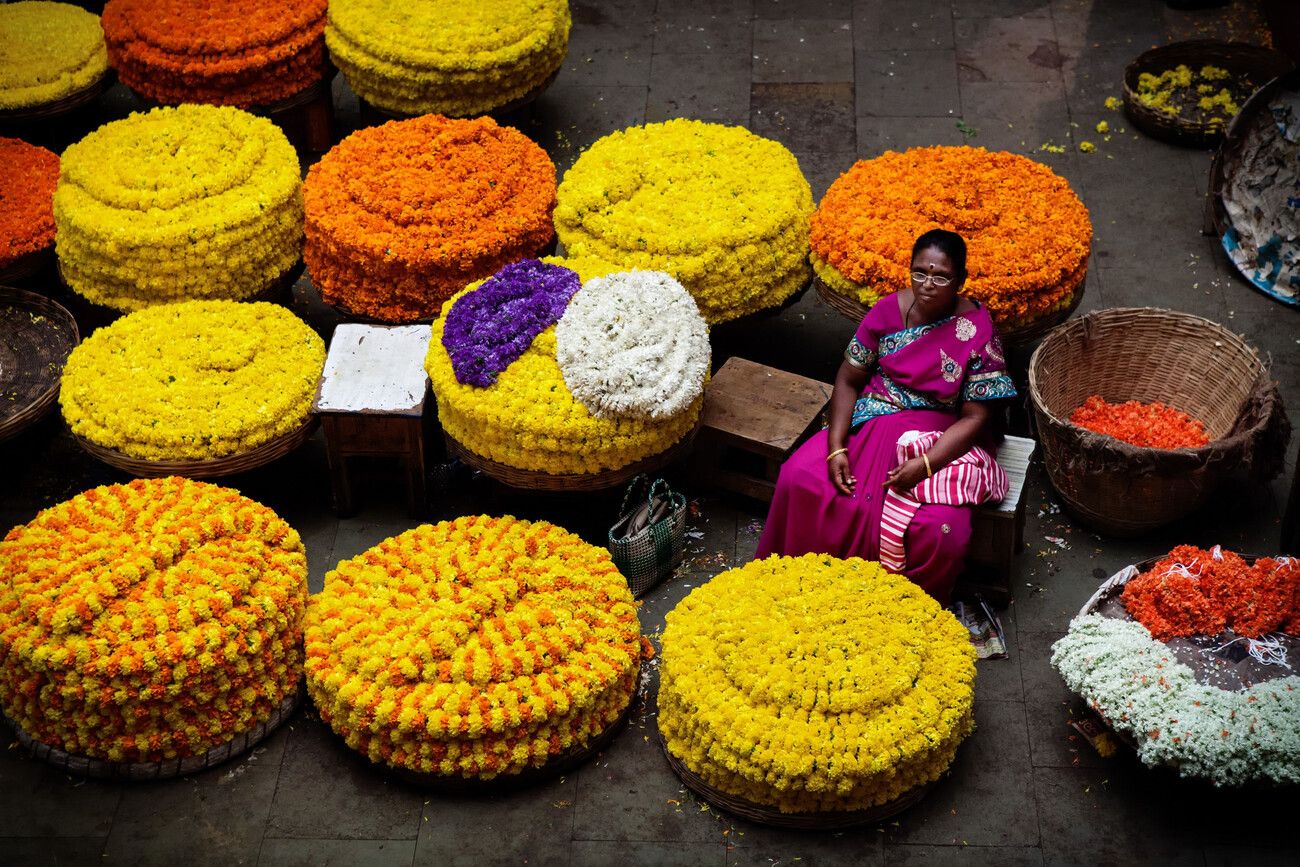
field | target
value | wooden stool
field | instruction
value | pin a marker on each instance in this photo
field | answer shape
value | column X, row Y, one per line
column 371, row 402
column 998, row 530
column 755, row 415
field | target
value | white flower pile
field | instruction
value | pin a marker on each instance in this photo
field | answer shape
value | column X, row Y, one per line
column 1137, row 684
column 633, row 344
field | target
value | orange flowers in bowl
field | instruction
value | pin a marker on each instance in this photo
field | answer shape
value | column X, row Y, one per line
column 402, row 216
column 1147, row 425
column 28, row 176
column 1027, row 233
column 222, row 52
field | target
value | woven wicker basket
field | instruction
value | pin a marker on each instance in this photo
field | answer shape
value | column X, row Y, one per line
column 27, row 265
column 22, row 117
column 763, row 814
column 1257, row 63
column 1145, row 354
column 36, row 337
column 212, row 468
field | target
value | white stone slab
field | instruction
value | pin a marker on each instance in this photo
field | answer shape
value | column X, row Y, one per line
column 375, row 369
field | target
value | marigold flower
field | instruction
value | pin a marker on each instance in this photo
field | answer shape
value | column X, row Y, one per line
column 51, row 50
column 28, row 175
column 1148, row 425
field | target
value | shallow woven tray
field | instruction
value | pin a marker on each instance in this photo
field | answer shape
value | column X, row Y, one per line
column 1239, row 58
column 36, row 337
column 212, row 468
column 103, row 769
column 828, row 821
column 49, row 110
column 514, row 105
column 27, row 265
column 535, row 480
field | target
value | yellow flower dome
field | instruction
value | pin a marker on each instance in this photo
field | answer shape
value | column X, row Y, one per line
column 814, row 684
column 50, row 50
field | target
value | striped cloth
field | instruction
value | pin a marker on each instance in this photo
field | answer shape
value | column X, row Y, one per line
column 973, row 478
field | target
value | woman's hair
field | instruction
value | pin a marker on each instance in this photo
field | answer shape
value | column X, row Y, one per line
column 950, row 244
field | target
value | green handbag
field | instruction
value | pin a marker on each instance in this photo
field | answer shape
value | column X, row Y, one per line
column 649, row 539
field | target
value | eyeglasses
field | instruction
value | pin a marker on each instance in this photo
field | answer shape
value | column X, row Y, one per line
column 919, row 278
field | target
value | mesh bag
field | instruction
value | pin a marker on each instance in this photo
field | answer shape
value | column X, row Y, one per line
column 649, row 538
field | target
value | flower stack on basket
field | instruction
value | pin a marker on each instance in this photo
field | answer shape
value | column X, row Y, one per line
column 1028, row 234
column 54, row 58
column 28, row 176
column 475, row 649
column 455, row 59
column 813, row 692
column 179, row 203
column 402, row 216
column 151, row 629
column 544, row 381
column 1191, row 659
column 722, row 210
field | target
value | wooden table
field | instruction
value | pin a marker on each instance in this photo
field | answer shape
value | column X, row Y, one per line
column 371, row 402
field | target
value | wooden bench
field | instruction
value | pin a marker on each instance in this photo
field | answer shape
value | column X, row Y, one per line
column 998, row 530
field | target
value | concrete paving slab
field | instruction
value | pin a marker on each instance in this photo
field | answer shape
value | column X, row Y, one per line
column 907, row 83
column 279, row 852
column 803, row 50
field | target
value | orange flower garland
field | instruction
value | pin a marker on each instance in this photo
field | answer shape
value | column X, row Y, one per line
column 1147, row 425
column 149, row 621
column 222, row 52
column 28, row 176
column 402, row 216
column 473, row 648
column 1027, row 234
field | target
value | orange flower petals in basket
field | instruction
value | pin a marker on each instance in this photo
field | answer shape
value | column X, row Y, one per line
column 222, row 52
column 1147, row 425
column 402, row 216
column 1027, row 233
column 28, row 175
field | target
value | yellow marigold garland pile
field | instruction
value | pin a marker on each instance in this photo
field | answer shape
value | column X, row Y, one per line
column 177, row 203
column 814, row 684
column 473, row 648
column 47, row 51
column 28, row 175
column 529, row 419
column 401, row 216
column 722, row 210
column 453, row 58
column 223, row 52
column 191, row 381
column 1027, row 234
column 149, row 621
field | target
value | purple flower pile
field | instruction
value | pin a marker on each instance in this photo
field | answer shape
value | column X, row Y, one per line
column 487, row 329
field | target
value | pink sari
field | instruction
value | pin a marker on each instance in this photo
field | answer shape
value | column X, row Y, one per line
column 921, row 376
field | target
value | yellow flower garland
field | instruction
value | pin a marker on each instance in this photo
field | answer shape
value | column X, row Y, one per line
column 149, row 621
column 188, row 202
column 200, row 379
column 51, row 50
column 473, row 648
column 722, row 210
column 454, row 58
column 530, row 420
column 814, row 684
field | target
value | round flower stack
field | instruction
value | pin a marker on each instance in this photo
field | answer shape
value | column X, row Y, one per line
column 51, row 51
column 149, row 621
column 457, row 59
column 811, row 684
column 222, row 52
column 473, row 648
column 401, row 216
column 720, row 209
column 619, row 379
column 193, row 381
column 1027, row 234
column 28, row 175
column 178, row 203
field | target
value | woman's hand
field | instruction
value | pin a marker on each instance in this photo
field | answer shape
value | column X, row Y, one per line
column 841, row 474
column 906, row 475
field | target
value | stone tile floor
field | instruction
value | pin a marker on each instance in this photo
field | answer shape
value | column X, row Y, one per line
column 834, row 80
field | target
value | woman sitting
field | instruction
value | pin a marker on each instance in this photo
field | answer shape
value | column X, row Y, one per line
column 909, row 442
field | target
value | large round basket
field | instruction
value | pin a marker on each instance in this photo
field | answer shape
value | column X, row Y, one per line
column 26, row 266
column 48, row 111
column 763, row 814
column 1257, row 63
column 1147, row 355
column 212, row 468
column 37, row 337
column 103, row 769
column 536, row 480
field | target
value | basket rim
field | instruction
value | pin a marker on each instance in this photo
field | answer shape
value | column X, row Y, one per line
column 62, row 105
column 226, row 465
column 43, row 402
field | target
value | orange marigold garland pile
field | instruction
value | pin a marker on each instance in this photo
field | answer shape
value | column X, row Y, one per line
column 1148, row 425
column 28, row 176
column 222, row 52
column 149, row 621
column 1027, row 233
column 473, row 648
column 402, row 216
column 1194, row 591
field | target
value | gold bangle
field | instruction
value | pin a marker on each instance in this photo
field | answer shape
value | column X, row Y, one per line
column 836, row 452
column 929, row 473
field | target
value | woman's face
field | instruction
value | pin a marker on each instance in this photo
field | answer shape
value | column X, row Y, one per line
column 930, row 268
